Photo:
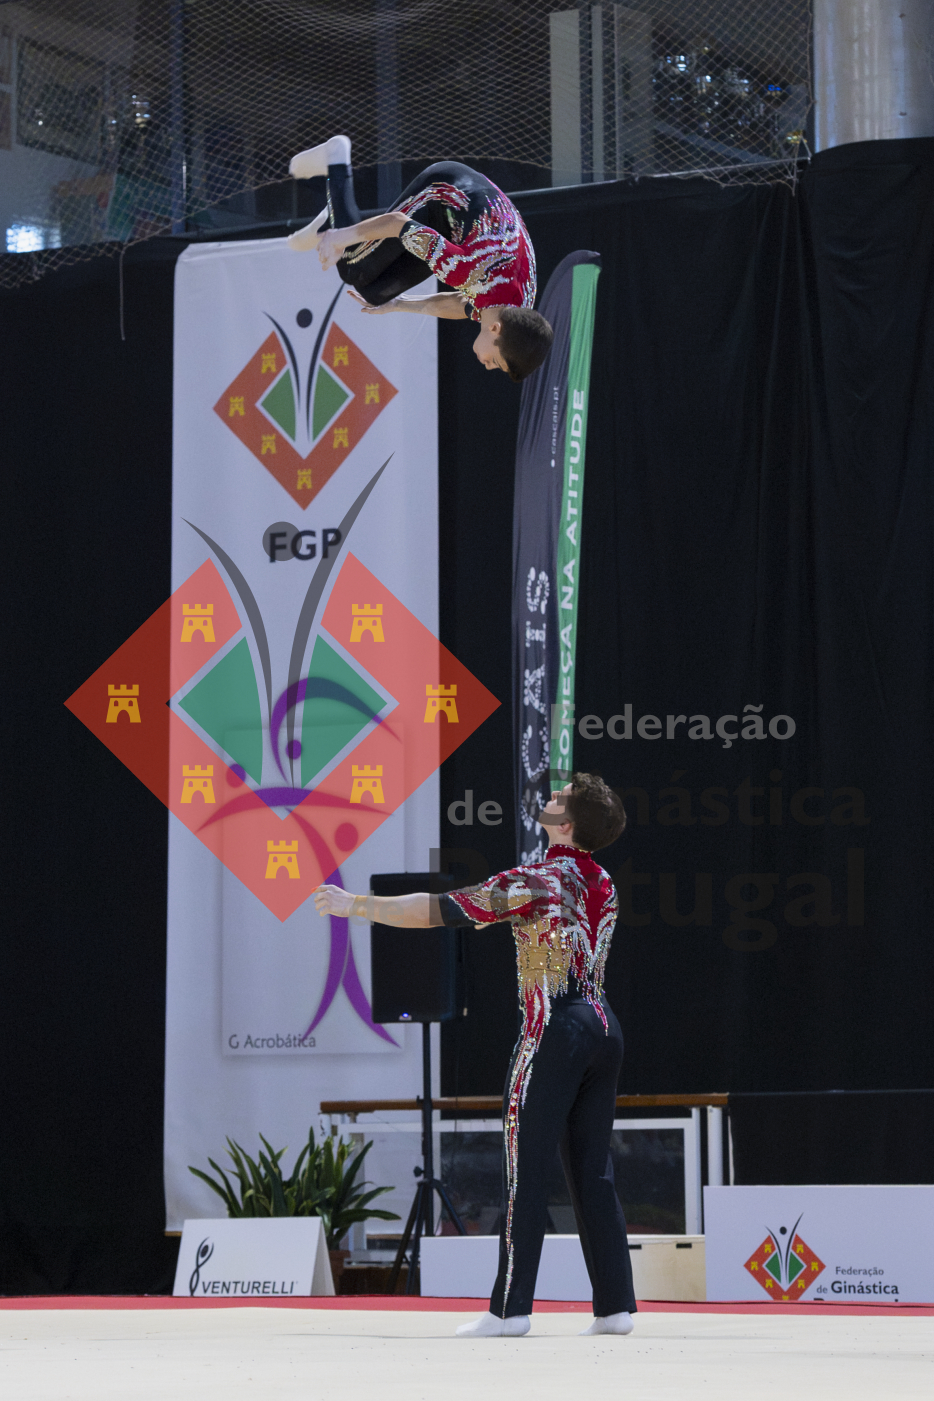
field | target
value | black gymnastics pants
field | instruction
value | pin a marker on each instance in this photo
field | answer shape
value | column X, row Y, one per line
column 389, row 269
column 570, row 1105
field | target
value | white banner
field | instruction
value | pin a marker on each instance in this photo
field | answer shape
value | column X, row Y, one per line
column 255, row 1258
column 842, row 1245
column 303, row 645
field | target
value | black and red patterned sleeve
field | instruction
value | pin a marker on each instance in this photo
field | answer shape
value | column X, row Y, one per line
column 433, row 248
column 609, row 913
column 465, row 268
column 503, row 897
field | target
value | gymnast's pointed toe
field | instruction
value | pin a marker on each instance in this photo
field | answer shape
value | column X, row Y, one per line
column 307, row 164
column 315, row 161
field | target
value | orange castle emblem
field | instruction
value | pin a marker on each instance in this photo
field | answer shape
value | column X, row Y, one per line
column 367, row 617
column 441, row 701
column 197, row 617
column 367, row 779
column 123, row 698
column 198, row 781
column 282, row 856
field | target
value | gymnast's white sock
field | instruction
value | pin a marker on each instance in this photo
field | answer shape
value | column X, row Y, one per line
column 306, row 240
column 316, row 159
column 620, row 1323
column 338, row 150
column 489, row 1326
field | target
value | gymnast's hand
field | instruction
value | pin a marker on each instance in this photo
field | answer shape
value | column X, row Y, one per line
column 364, row 305
column 331, row 245
column 331, row 900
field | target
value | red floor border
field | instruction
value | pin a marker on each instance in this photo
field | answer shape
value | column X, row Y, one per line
column 401, row 1304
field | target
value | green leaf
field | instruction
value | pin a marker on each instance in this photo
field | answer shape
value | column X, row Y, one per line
column 225, row 1195
column 357, row 1163
column 362, row 1198
column 233, row 1198
column 259, row 1186
column 274, row 1155
column 277, row 1201
column 233, row 1152
column 296, row 1170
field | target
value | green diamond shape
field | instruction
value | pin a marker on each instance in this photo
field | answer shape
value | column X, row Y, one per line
column 226, row 706
column 795, row 1266
column 329, row 396
column 329, row 722
column 279, row 403
column 774, row 1266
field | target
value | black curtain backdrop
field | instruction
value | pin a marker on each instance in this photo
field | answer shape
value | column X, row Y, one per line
column 847, row 1137
column 757, row 531
column 86, row 433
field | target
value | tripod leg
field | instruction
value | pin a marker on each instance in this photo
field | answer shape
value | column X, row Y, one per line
column 424, row 1197
column 404, row 1243
column 440, row 1188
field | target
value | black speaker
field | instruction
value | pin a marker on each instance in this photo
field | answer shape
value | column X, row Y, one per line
column 416, row 974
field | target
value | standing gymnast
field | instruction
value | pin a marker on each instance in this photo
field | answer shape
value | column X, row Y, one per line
column 561, row 1089
column 450, row 221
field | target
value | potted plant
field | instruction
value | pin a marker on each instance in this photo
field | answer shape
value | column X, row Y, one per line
column 324, row 1182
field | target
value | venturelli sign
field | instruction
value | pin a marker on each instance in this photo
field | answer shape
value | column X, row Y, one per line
column 282, row 1257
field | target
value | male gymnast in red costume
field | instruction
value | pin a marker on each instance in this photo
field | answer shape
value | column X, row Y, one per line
column 561, row 1089
column 450, row 221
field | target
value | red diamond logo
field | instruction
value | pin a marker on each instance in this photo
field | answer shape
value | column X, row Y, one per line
column 784, row 1271
column 302, row 433
column 436, row 703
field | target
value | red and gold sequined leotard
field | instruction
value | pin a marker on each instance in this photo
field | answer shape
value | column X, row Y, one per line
column 562, row 911
column 489, row 256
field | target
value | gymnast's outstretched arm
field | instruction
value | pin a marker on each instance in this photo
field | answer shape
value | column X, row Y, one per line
column 420, row 911
column 332, row 242
column 448, row 306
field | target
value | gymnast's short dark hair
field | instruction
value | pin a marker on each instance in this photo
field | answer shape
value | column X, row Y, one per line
column 596, row 811
column 525, row 339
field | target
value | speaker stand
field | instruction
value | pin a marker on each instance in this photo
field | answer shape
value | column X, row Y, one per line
column 421, row 1220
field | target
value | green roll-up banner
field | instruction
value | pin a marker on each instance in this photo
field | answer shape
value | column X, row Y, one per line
column 567, row 572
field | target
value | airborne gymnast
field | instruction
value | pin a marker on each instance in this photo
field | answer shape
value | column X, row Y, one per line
column 450, row 221
column 561, row 1087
